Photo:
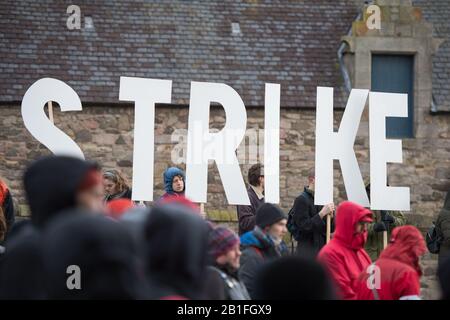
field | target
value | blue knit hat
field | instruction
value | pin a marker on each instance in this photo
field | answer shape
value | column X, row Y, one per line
column 169, row 174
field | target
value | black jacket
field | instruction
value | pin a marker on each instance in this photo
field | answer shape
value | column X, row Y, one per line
column 246, row 214
column 223, row 284
column 175, row 252
column 312, row 228
column 257, row 249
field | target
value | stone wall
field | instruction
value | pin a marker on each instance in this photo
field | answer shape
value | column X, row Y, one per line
column 105, row 135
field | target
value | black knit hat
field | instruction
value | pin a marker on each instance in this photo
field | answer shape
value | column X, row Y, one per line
column 268, row 214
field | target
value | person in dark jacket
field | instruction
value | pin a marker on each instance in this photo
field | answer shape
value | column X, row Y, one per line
column 443, row 227
column 57, row 183
column 175, row 252
column 223, row 282
column 89, row 256
column 310, row 221
column 246, row 214
column 262, row 244
column 174, row 183
column 7, row 206
column 21, row 268
column 293, row 278
column 52, row 185
column 116, row 186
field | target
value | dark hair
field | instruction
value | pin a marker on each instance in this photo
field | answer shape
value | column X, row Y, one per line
column 254, row 173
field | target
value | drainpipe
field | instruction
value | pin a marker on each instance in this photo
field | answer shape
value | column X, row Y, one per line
column 340, row 54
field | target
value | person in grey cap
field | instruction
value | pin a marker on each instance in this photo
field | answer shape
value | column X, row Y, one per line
column 263, row 244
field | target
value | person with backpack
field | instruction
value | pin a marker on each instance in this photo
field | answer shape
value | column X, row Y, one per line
column 222, row 277
column 264, row 243
column 443, row 230
column 307, row 222
column 398, row 269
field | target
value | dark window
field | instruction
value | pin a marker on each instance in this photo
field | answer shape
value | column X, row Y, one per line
column 395, row 73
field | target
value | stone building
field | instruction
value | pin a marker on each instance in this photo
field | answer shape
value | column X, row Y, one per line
column 245, row 43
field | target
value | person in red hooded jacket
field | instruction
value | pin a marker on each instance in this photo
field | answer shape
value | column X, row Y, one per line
column 398, row 268
column 344, row 256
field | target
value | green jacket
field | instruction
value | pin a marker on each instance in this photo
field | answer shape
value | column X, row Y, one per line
column 374, row 244
column 443, row 225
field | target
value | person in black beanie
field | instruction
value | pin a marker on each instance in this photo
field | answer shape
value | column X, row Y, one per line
column 293, row 278
column 263, row 244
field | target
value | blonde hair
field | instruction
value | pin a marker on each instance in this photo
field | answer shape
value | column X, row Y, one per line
column 116, row 177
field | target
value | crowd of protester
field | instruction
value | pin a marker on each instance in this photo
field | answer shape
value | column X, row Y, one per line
column 86, row 239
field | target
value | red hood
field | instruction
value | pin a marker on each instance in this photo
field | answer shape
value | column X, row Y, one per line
column 347, row 216
column 406, row 245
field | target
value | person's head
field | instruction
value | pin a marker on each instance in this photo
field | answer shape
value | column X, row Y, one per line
column 174, row 180
column 175, row 251
column 351, row 224
column 271, row 220
column 90, row 193
column 311, row 179
column 444, row 277
column 224, row 248
column 101, row 250
column 114, row 182
column 406, row 245
column 256, row 175
column 292, row 278
column 56, row 183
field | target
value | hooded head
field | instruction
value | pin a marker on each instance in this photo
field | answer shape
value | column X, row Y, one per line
column 169, row 174
column 406, row 245
column 51, row 185
column 175, row 251
column 101, row 248
column 348, row 215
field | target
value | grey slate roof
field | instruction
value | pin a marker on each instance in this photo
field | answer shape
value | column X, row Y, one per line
column 438, row 12
column 291, row 42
